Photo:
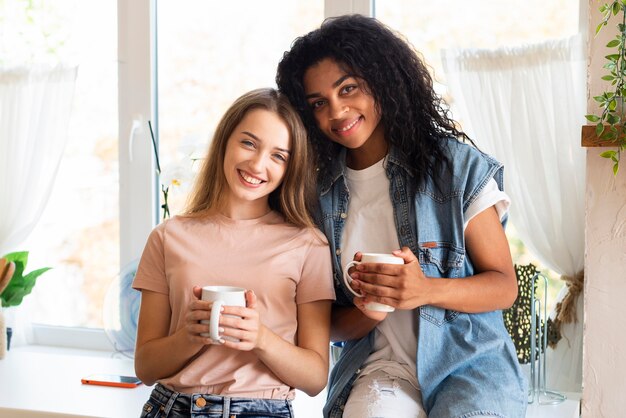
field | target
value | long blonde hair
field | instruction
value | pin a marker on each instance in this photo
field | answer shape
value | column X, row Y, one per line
column 296, row 194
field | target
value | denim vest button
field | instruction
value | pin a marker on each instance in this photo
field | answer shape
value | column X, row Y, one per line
column 201, row 402
column 396, row 195
column 338, row 251
column 343, row 215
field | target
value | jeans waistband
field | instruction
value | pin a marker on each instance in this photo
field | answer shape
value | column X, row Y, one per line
column 200, row 402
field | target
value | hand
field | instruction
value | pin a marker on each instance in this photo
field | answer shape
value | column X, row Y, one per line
column 246, row 326
column 198, row 310
column 401, row 286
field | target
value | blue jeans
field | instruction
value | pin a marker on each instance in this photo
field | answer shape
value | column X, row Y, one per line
column 167, row 403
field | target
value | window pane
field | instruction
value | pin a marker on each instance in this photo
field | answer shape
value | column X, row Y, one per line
column 78, row 234
column 209, row 53
column 434, row 25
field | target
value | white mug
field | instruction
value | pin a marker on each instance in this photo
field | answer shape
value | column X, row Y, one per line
column 371, row 258
column 221, row 296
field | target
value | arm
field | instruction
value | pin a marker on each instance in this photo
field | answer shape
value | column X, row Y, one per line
column 494, row 286
column 303, row 366
column 153, row 339
column 353, row 322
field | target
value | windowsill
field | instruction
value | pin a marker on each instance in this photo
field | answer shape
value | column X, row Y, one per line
column 42, row 381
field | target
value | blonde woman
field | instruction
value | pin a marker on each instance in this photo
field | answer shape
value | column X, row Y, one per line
column 247, row 225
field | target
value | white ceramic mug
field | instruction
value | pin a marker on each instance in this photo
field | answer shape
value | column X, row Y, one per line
column 221, row 296
column 371, row 258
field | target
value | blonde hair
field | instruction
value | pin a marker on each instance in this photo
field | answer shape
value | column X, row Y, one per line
column 296, row 194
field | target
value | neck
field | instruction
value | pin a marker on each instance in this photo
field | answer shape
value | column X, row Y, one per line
column 242, row 211
column 371, row 152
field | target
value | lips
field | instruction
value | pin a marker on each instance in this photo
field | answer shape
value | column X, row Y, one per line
column 347, row 128
column 249, row 179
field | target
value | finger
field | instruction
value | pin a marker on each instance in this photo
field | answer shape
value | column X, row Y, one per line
column 381, row 268
column 406, row 254
column 357, row 256
column 251, row 299
column 367, row 288
column 197, row 291
column 374, row 279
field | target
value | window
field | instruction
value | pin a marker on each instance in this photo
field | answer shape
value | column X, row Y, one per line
column 77, row 234
column 209, row 53
column 433, row 26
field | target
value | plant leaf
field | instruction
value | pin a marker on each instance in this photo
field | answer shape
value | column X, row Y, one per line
column 613, row 43
column 608, row 154
column 592, row 118
column 615, row 168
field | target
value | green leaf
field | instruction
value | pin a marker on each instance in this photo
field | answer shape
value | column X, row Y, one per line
column 613, row 57
column 616, row 8
column 608, row 77
column 600, row 26
column 592, row 118
column 20, row 285
column 612, row 119
column 613, row 43
column 599, row 129
column 615, row 168
column 608, row 154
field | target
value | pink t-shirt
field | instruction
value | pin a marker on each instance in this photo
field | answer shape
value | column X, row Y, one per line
column 283, row 264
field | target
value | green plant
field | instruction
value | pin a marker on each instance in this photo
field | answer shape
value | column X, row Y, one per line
column 611, row 123
column 20, row 284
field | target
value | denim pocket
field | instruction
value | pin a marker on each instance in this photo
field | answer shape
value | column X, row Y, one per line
column 441, row 259
column 152, row 409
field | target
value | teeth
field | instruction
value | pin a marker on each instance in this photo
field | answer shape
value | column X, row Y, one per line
column 249, row 179
column 345, row 128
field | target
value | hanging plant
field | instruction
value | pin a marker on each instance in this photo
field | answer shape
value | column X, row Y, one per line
column 611, row 122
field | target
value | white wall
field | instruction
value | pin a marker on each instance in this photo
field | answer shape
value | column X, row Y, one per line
column 604, row 358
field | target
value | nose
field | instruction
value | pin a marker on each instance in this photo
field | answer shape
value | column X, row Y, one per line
column 257, row 162
column 337, row 109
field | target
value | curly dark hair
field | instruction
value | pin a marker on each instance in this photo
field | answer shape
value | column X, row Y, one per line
column 415, row 119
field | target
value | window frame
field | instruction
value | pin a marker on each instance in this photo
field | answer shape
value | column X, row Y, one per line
column 138, row 188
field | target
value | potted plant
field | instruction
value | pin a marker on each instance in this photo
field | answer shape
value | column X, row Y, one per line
column 610, row 124
column 18, row 286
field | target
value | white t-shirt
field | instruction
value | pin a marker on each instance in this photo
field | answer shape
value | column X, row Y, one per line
column 370, row 227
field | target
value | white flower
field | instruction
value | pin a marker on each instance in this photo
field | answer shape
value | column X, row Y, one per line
column 177, row 175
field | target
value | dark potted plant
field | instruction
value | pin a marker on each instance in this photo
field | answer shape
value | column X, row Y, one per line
column 20, row 284
column 610, row 124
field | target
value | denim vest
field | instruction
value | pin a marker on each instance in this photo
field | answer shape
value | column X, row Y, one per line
column 466, row 363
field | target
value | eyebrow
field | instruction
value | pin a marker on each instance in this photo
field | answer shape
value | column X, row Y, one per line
column 335, row 84
column 260, row 140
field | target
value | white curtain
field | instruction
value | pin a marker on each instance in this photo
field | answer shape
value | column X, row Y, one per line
column 35, row 106
column 526, row 106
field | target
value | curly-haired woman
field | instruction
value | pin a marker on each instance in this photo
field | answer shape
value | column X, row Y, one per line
column 395, row 175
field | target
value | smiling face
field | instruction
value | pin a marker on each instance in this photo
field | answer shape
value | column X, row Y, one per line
column 255, row 161
column 345, row 111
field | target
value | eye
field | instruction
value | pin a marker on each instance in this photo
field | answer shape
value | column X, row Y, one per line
column 317, row 104
column 348, row 88
column 247, row 143
column 280, row 157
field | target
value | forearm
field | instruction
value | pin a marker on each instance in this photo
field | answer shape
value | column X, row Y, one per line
column 349, row 323
column 297, row 367
column 151, row 364
column 484, row 292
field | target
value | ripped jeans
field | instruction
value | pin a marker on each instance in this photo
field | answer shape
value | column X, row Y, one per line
column 381, row 395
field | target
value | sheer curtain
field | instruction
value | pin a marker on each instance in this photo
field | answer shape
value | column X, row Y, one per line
column 35, row 106
column 525, row 106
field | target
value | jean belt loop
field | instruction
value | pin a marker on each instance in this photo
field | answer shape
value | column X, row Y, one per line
column 170, row 402
column 226, row 407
